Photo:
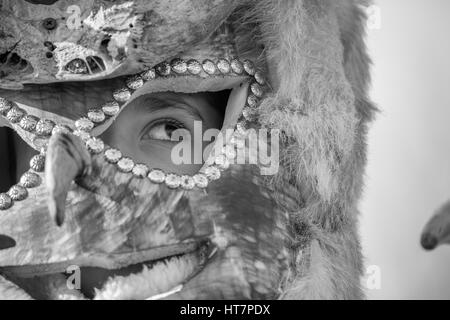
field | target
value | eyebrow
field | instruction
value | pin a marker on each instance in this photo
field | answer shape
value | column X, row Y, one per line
column 153, row 103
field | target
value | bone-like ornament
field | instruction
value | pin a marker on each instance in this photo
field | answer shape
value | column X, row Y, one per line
column 91, row 39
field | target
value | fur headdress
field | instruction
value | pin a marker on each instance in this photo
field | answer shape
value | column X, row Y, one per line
column 318, row 67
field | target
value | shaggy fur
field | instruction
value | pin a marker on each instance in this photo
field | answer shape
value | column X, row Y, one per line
column 319, row 69
column 320, row 72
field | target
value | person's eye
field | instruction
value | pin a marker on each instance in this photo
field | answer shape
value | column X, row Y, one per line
column 162, row 129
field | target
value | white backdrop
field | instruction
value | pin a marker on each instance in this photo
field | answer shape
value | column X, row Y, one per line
column 408, row 173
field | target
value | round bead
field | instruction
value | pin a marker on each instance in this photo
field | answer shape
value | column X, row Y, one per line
column 96, row 115
column 44, row 127
column 222, row 162
column 5, row 201
column 249, row 67
column 83, row 135
column 252, row 101
column 249, row 114
column 179, row 65
column 173, row 181
column 30, row 180
column 237, row 66
column 37, row 163
column 125, row 165
column 238, row 142
column 256, row 89
column 111, row 108
column 40, row 143
column 241, row 129
column 5, row 106
column 163, row 69
column 43, row 148
column 135, row 82
column 15, row 114
column 84, row 124
column 212, row 173
column 122, row 95
column 140, row 170
column 224, row 66
column 260, row 78
column 95, row 145
column 209, row 67
column 201, row 180
column 157, row 176
column 149, row 74
column 194, row 67
column 187, row 182
column 61, row 129
column 18, row 193
column 229, row 152
column 211, row 158
column 113, row 155
column 28, row 123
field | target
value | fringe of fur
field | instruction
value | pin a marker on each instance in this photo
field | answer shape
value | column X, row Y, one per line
column 319, row 67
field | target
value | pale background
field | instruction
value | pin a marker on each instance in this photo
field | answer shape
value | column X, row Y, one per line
column 408, row 173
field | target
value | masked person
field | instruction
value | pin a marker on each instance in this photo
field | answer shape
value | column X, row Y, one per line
column 182, row 150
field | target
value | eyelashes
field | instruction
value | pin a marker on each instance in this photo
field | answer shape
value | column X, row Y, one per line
column 162, row 129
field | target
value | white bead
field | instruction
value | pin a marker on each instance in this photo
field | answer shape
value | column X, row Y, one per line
column 256, row 89
column 222, row 162
column 134, row 82
column 249, row 114
column 223, row 66
column 111, row 108
column 28, row 123
column 15, row 114
column 173, row 181
column 213, row 173
column 83, row 135
column 30, row 180
column 157, row 176
column 95, row 145
column 260, row 78
column 237, row 66
column 113, row 155
column 252, row 101
column 194, row 67
column 163, row 69
column 140, row 170
column 238, row 142
column 125, row 165
column 84, row 124
column 179, row 66
column 241, row 130
column 61, row 129
column 229, row 151
column 201, row 180
column 44, row 127
column 187, row 182
column 5, row 106
column 96, row 116
column 18, row 193
column 209, row 67
column 249, row 67
column 37, row 163
column 5, row 201
column 149, row 74
column 122, row 95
